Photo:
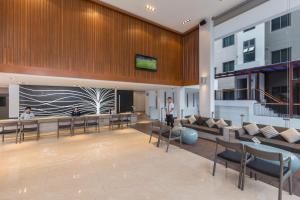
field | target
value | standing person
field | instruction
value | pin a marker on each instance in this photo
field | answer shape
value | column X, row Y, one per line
column 76, row 112
column 170, row 112
column 27, row 114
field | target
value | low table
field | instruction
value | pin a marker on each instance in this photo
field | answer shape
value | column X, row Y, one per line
column 295, row 160
column 230, row 132
column 189, row 136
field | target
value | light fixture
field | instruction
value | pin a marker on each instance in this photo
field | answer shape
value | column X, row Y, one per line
column 187, row 21
column 150, row 8
column 203, row 80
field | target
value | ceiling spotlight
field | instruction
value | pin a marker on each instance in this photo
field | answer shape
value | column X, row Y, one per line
column 150, row 8
column 186, row 21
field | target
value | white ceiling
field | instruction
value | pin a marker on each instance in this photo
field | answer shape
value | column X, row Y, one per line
column 24, row 79
column 171, row 13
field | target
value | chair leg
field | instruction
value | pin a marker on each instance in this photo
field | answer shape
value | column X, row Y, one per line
column 158, row 141
column 3, row 137
column 226, row 164
column 291, row 185
column 215, row 165
column 240, row 176
column 280, row 190
column 255, row 176
column 243, row 177
column 168, row 146
column 57, row 132
column 150, row 138
column 17, row 135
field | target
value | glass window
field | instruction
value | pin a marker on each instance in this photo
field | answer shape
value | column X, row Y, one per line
column 285, row 20
column 228, row 66
column 281, row 56
column 249, row 51
column 281, row 22
column 228, row 41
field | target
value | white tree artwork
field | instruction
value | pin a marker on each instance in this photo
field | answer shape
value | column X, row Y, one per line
column 49, row 100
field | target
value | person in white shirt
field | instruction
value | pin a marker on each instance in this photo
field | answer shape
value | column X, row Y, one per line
column 27, row 114
column 170, row 112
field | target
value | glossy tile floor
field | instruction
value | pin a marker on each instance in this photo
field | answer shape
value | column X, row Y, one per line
column 117, row 165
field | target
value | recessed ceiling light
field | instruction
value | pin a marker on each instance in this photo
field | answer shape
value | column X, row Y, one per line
column 187, row 21
column 150, row 8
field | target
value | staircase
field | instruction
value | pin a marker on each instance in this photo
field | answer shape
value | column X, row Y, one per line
column 264, row 110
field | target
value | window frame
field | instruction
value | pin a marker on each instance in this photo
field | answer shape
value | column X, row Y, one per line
column 230, row 43
column 226, row 65
column 289, row 55
column 249, row 50
column 289, row 24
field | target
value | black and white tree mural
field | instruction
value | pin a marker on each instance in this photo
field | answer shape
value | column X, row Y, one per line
column 50, row 100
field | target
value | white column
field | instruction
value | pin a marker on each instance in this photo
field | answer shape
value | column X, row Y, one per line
column 14, row 98
column 206, row 93
column 180, row 102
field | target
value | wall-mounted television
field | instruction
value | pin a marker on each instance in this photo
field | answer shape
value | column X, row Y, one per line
column 145, row 62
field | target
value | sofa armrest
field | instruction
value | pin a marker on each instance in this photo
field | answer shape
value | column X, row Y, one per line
column 239, row 133
column 184, row 121
column 221, row 131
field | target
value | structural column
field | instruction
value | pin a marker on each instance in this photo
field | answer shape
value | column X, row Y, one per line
column 206, row 63
column 291, row 89
column 180, row 102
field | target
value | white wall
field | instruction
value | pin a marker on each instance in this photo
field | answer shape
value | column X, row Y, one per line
column 13, row 91
column 259, row 35
column 206, row 49
column 257, row 15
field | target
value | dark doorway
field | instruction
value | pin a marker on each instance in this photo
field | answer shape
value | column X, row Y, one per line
column 242, row 89
column 124, row 101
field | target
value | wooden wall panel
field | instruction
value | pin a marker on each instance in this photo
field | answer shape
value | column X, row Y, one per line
column 79, row 38
column 190, row 68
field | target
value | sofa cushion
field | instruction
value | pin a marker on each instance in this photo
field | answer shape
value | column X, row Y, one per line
column 252, row 129
column 269, row 132
column 221, row 123
column 200, row 121
column 192, row 119
column 291, row 135
column 210, row 123
column 266, row 167
column 232, row 156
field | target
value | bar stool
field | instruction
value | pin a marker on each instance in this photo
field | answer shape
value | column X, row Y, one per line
column 64, row 124
column 92, row 121
column 125, row 119
column 27, row 126
column 114, row 119
column 9, row 128
column 79, row 122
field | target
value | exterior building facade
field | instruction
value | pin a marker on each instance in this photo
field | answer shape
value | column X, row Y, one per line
column 265, row 71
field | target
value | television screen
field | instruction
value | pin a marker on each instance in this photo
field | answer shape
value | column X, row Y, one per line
column 145, row 62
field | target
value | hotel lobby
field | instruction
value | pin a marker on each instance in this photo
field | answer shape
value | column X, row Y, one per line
column 130, row 99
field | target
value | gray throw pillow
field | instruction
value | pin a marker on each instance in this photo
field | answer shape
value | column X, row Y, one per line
column 252, row 129
column 269, row 132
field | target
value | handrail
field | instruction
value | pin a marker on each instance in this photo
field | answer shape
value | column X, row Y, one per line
column 269, row 95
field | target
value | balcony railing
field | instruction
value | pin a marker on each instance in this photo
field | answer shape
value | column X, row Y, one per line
column 276, row 110
column 245, row 94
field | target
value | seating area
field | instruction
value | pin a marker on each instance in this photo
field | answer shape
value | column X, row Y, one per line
column 277, row 140
column 63, row 124
column 205, row 125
